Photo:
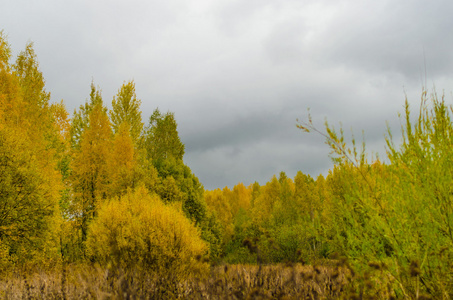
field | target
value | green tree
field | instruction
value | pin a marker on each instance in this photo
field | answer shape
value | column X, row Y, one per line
column 170, row 192
column 162, row 139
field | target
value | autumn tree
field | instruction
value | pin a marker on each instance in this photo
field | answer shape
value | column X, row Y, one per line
column 29, row 180
column 36, row 111
column 11, row 101
column 126, row 168
column 265, row 202
column 305, row 195
column 217, row 203
column 285, row 210
column 29, row 198
column 80, row 119
column 90, row 177
column 122, row 162
column 126, row 108
column 62, row 127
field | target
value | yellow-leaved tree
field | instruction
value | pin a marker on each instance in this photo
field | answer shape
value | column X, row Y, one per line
column 139, row 231
column 29, row 181
column 122, row 162
column 264, row 203
column 126, row 108
column 217, row 203
column 90, row 178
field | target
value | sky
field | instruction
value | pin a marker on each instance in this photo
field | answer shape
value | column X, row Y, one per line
column 238, row 74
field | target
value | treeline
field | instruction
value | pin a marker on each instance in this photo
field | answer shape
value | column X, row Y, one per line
column 100, row 186
column 281, row 221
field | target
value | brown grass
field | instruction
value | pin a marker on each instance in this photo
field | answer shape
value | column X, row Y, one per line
column 295, row 281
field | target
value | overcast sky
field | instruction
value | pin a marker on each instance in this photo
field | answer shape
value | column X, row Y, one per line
column 238, row 73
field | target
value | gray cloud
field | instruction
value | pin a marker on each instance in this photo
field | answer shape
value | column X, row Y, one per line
column 238, row 74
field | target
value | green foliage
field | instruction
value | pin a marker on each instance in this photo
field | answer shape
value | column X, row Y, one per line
column 399, row 214
column 162, row 139
column 140, row 231
column 178, row 183
column 211, row 232
column 286, row 244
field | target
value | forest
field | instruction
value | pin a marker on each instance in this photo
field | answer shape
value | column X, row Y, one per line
column 99, row 204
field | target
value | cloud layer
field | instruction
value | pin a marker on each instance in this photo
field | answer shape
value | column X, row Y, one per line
column 238, row 74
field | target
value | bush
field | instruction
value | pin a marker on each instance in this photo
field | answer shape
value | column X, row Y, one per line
column 139, row 231
column 399, row 214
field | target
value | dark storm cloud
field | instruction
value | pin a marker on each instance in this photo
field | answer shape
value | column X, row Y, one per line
column 237, row 74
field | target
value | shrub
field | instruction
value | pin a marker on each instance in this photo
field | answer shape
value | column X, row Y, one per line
column 139, row 231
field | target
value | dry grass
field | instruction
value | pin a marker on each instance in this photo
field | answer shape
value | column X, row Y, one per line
column 224, row 282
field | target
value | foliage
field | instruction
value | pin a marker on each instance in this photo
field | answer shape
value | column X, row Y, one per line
column 28, row 200
column 122, row 163
column 29, row 181
column 126, row 108
column 90, row 177
column 80, row 119
column 140, row 231
column 398, row 214
column 178, row 183
column 162, row 139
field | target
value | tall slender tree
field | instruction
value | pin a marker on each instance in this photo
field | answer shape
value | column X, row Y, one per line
column 126, row 108
column 31, row 79
column 90, row 171
column 80, row 118
column 122, row 164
